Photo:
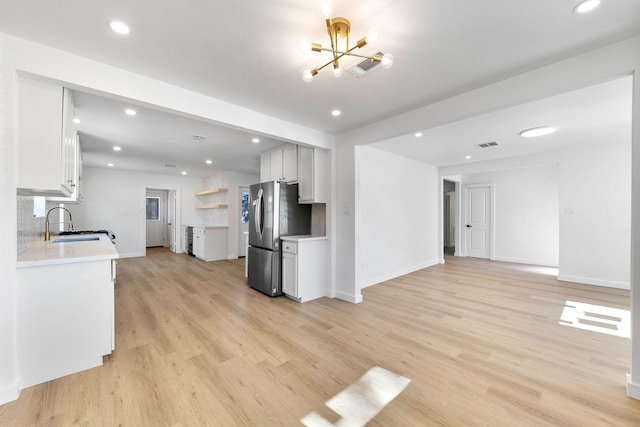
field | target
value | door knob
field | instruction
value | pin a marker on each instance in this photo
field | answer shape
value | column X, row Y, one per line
column 468, row 226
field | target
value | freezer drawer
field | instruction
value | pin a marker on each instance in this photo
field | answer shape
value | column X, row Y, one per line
column 264, row 271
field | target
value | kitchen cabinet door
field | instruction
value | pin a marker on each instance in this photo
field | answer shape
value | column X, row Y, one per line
column 265, row 167
column 47, row 139
column 290, row 164
column 276, row 165
column 312, row 175
column 289, row 273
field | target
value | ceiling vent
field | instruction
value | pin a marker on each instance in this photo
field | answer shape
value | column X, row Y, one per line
column 169, row 166
column 365, row 67
column 488, row 144
column 197, row 138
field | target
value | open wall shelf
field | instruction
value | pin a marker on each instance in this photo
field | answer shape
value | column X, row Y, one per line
column 216, row 191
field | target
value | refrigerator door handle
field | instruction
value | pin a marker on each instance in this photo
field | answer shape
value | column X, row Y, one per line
column 258, row 213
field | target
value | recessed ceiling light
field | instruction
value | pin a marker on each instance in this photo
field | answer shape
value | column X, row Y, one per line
column 116, row 148
column 255, row 140
column 208, row 162
column 110, row 165
column 418, row 134
column 539, row 131
column 130, row 112
column 467, row 157
column 183, row 172
column 336, row 113
column 119, row 27
column 586, row 6
column 76, row 120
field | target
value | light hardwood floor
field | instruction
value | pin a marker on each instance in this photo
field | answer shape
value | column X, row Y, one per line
column 480, row 341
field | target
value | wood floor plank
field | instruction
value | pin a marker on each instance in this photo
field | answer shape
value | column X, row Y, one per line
column 481, row 342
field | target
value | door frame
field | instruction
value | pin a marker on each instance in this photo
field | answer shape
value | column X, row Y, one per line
column 162, row 196
column 176, row 216
column 241, row 239
column 465, row 210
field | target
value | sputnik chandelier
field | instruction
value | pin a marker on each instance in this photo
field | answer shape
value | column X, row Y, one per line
column 339, row 29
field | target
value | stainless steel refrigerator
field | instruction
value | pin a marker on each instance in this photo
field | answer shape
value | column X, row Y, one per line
column 275, row 212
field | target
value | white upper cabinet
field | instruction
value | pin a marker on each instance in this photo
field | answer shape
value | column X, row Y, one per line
column 312, row 175
column 280, row 164
column 47, row 148
column 76, row 193
column 290, row 163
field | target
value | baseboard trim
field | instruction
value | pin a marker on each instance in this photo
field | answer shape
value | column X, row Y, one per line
column 10, row 392
column 543, row 263
column 354, row 299
column 398, row 273
column 633, row 390
column 595, row 282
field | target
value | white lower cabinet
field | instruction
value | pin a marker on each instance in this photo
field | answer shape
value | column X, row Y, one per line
column 304, row 267
column 65, row 319
column 210, row 243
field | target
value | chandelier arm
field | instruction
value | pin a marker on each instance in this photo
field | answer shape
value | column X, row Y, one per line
column 330, row 62
column 349, row 53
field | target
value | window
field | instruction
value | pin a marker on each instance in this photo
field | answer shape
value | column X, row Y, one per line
column 153, row 208
column 244, row 208
column 39, row 210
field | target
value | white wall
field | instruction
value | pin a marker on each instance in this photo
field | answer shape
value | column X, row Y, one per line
column 595, row 184
column 525, row 216
column 115, row 200
column 595, row 216
column 9, row 379
column 396, row 217
column 233, row 181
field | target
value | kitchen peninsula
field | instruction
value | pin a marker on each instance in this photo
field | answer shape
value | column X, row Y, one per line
column 65, row 306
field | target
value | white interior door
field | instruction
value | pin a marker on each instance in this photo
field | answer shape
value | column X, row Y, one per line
column 171, row 221
column 156, row 217
column 243, row 218
column 478, row 221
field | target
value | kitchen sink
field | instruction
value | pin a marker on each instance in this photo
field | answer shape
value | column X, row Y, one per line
column 76, row 239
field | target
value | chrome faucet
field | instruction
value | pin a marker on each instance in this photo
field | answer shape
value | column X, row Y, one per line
column 47, row 234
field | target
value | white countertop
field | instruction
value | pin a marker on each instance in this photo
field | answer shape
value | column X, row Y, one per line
column 307, row 237
column 49, row 253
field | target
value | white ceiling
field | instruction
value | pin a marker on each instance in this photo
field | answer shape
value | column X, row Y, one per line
column 599, row 114
column 246, row 53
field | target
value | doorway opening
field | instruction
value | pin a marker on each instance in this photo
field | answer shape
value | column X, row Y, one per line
column 449, row 215
column 243, row 227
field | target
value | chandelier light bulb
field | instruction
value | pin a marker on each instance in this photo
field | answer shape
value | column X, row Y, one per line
column 307, row 76
column 337, row 71
column 387, row 60
column 372, row 35
column 327, row 9
column 305, row 45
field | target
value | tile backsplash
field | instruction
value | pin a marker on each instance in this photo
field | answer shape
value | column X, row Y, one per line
column 30, row 228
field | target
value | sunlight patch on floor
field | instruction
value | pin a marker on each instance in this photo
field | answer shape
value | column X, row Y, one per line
column 597, row 318
column 537, row 269
column 363, row 400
